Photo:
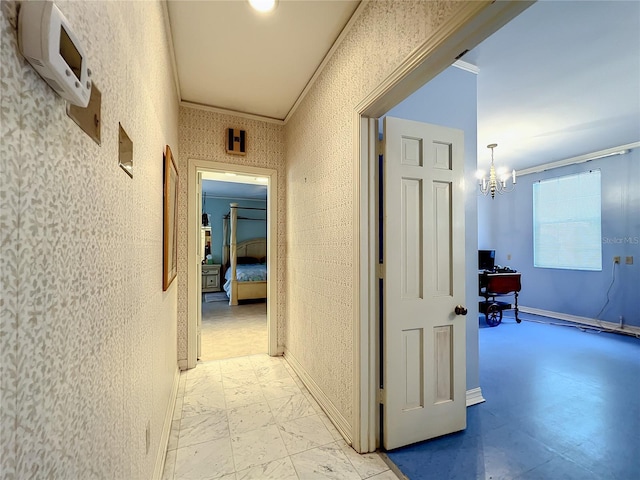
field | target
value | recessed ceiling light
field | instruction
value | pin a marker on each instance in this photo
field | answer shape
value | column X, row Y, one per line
column 263, row 6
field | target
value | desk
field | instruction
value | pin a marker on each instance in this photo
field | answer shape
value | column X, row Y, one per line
column 492, row 285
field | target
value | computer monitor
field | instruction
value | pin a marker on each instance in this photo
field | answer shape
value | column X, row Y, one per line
column 486, row 259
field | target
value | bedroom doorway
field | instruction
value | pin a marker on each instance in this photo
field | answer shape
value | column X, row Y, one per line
column 239, row 330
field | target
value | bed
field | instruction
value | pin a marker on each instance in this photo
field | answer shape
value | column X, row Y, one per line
column 245, row 264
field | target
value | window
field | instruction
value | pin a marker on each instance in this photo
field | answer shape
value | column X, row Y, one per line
column 566, row 222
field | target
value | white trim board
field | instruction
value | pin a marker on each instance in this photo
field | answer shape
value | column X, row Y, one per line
column 231, row 113
column 172, row 52
column 345, row 30
column 338, row 420
column 579, row 159
column 473, row 23
column 193, row 296
column 161, row 454
column 592, row 322
column 466, row 66
column 474, row 396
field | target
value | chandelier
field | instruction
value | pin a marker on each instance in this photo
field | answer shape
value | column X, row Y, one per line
column 497, row 182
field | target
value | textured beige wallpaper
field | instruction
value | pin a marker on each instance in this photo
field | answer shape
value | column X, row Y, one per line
column 87, row 336
column 320, row 203
column 202, row 137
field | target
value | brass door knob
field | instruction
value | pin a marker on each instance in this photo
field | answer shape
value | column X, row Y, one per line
column 460, row 310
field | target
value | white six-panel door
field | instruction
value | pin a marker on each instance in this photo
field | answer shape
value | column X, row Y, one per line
column 424, row 377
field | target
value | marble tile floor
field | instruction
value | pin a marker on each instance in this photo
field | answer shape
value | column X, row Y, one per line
column 250, row 417
column 236, row 331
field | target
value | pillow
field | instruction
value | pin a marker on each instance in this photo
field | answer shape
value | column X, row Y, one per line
column 247, row 260
column 262, row 260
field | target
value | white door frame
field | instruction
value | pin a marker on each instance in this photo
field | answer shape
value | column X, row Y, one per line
column 193, row 223
column 475, row 22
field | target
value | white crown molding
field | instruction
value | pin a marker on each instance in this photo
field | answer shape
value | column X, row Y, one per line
column 579, row 159
column 356, row 14
column 469, row 67
column 347, row 28
column 172, row 52
column 233, row 113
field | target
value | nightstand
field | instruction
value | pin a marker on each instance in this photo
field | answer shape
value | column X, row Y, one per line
column 211, row 278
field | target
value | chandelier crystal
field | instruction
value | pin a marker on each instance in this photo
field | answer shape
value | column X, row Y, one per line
column 497, row 181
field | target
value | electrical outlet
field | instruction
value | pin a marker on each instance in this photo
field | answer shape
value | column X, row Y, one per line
column 508, row 256
column 629, row 260
column 616, row 259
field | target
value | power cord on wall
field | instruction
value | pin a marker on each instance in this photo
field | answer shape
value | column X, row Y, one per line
column 613, row 280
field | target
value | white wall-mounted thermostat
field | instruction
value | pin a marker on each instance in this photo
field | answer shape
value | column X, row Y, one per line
column 49, row 44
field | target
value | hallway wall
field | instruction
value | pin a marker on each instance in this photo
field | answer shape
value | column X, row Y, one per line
column 87, row 336
column 321, row 188
column 202, row 136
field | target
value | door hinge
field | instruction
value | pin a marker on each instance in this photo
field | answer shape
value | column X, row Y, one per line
column 380, row 270
column 382, row 397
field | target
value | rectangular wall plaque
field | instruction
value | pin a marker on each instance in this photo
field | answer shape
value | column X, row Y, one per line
column 236, row 142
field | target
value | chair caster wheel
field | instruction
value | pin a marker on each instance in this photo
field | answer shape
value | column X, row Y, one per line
column 493, row 317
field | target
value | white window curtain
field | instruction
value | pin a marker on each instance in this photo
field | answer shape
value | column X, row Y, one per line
column 567, row 222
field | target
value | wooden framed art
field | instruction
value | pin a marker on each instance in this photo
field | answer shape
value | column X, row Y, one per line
column 170, row 240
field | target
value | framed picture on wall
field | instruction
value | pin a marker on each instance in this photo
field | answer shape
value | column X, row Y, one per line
column 170, row 240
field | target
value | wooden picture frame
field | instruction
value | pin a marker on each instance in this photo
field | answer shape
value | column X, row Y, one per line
column 170, row 230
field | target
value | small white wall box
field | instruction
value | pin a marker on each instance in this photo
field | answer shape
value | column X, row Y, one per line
column 49, row 44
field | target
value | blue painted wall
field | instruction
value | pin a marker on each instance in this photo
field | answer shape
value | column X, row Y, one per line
column 450, row 100
column 247, row 229
column 506, row 225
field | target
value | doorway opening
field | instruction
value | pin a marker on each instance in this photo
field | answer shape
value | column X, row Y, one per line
column 437, row 53
column 234, row 208
column 230, row 207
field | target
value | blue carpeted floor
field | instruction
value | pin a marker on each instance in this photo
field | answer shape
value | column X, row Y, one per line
column 560, row 404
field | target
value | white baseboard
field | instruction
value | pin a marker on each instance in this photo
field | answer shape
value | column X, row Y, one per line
column 166, row 429
column 592, row 322
column 474, row 396
column 338, row 420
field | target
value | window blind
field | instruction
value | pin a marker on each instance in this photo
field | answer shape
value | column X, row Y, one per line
column 567, row 222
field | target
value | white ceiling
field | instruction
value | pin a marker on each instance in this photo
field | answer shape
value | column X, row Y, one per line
column 232, row 57
column 560, row 80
